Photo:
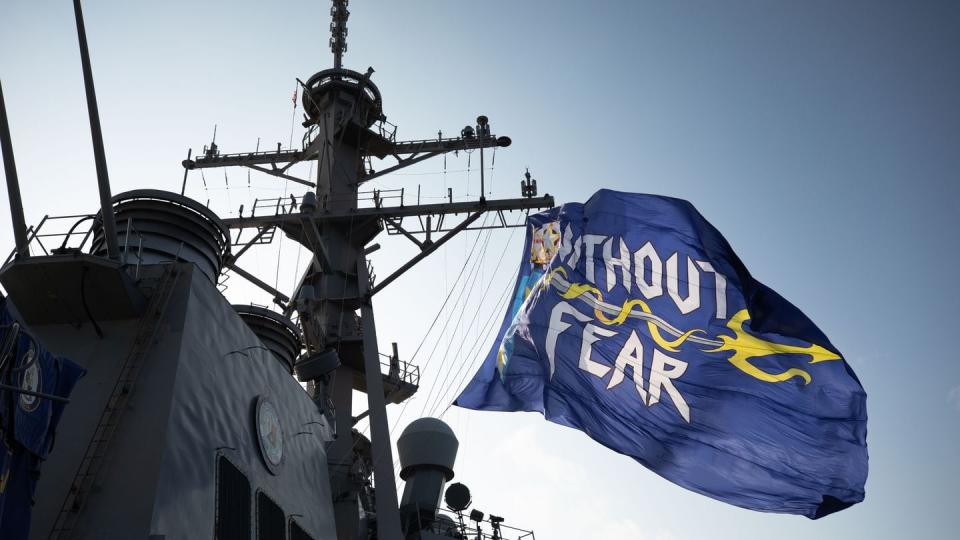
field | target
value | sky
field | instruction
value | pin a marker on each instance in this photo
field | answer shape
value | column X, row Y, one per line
column 821, row 137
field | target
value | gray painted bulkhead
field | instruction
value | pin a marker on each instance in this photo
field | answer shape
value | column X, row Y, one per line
column 194, row 400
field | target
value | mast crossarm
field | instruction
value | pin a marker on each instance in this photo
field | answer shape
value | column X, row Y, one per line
column 287, row 158
column 428, row 148
column 448, row 145
column 399, row 228
column 247, row 158
column 466, row 207
column 278, row 297
column 395, row 227
column 401, row 163
column 427, row 250
column 252, row 242
column 279, row 172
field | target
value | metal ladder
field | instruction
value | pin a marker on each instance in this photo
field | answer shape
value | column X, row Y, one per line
column 93, row 459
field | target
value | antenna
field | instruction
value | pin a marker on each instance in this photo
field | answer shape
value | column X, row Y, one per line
column 103, row 180
column 528, row 186
column 13, row 185
column 338, row 31
column 483, row 130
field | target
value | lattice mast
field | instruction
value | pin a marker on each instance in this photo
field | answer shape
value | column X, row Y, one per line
column 345, row 128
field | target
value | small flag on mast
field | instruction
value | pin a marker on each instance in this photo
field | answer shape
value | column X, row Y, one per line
column 294, row 98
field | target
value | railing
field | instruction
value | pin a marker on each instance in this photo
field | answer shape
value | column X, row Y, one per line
column 309, row 135
column 379, row 196
column 63, row 229
column 212, row 154
column 400, row 371
column 386, row 130
column 457, row 525
column 287, row 205
column 382, row 127
column 73, row 237
column 279, row 205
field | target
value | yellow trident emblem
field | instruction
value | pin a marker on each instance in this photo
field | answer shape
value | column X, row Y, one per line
column 744, row 345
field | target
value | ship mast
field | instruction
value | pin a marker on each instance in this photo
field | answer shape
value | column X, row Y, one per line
column 338, row 31
column 345, row 128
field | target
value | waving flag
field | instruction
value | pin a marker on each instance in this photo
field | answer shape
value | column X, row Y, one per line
column 635, row 322
column 27, row 421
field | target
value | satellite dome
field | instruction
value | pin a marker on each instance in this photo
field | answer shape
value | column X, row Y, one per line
column 427, row 442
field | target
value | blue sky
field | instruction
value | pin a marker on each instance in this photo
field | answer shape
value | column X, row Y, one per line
column 822, row 138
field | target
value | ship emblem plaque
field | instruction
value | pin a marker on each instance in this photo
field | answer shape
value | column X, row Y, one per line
column 269, row 434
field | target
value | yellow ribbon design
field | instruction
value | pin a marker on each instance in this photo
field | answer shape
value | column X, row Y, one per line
column 743, row 344
column 579, row 289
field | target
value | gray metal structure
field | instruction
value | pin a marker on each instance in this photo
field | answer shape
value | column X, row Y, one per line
column 278, row 333
column 100, row 158
column 428, row 451
column 189, row 422
column 13, row 183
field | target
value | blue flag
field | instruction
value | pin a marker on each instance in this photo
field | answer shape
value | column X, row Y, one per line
column 28, row 421
column 635, row 322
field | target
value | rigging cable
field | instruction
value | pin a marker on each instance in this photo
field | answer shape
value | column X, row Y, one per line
column 434, row 405
column 445, row 357
column 248, row 170
column 434, row 322
column 205, row 189
column 488, row 328
column 468, row 173
column 446, row 352
column 493, row 165
column 485, row 293
column 226, row 182
column 276, row 277
column 440, row 136
column 457, row 307
column 293, row 116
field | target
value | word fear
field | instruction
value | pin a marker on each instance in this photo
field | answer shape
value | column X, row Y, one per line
column 663, row 369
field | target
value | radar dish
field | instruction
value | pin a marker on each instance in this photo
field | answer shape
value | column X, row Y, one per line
column 457, row 497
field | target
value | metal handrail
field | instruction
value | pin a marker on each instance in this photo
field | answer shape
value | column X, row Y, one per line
column 35, row 236
column 400, row 370
column 497, row 531
column 386, row 129
column 287, row 205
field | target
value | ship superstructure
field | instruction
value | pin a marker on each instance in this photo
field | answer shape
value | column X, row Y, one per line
column 191, row 421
